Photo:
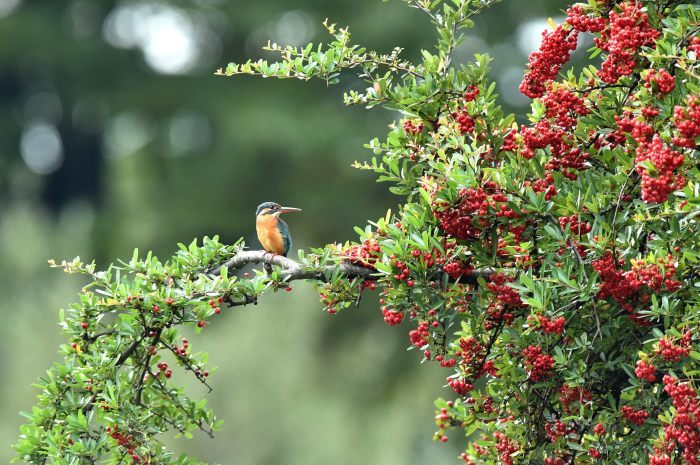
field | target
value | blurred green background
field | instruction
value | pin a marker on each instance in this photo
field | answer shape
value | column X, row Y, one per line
column 114, row 134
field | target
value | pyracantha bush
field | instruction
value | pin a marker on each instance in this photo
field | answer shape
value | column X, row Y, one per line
column 550, row 268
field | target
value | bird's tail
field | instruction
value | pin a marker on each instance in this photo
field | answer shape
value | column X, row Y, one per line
column 268, row 268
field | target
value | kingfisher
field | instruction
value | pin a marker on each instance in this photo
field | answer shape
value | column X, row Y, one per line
column 273, row 232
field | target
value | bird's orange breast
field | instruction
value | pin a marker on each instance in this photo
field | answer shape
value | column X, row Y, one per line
column 269, row 234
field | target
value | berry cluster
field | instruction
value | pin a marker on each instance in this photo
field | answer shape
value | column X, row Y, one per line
column 575, row 224
column 564, row 108
column 556, row 460
column 660, row 80
column 488, row 368
column 599, row 429
column 583, row 22
column 627, row 123
column 486, row 407
column 545, row 63
column 403, row 272
column 446, row 362
column 557, row 429
column 505, row 295
column 419, row 336
column 565, row 156
column 460, row 386
column 462, row 221
column 472, row 353
column 412, row 128
column 442, row 420
column 329, row 301
column 391, row 317
column 163, row 369
column 126, row 441
column 627, row 32
column 650, row 112
column 633, row 288
column 638, row 417
column 506, row 447
column 465, row 122
column 684, row 429
column 537, row 364
column 427, row 257
column 471, row 93
column 562, row 111
column 182, row 350
column 659, row 183
column 694, row 45
column 469, row 217
column 687, row 122
column 456, row 269
column 555, row 326
column 645, row 371
column 365, row 254
column 510, row 141
column 545, row 184
column 215, row 304
column 570, row 397
column 673, row 352
column 659, row 457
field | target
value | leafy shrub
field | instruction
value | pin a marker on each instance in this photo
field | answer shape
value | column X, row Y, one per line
column 550, row 267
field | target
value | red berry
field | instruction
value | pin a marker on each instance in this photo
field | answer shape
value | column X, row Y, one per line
column 537, row 363
column 645, row 371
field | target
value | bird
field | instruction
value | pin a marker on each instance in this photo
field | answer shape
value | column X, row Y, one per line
column 273, row 232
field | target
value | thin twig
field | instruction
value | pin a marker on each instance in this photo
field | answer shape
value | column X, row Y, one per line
column 119, row 362
column 188, row 365
column 178, row 404
column 147, row 363
column 359, row 294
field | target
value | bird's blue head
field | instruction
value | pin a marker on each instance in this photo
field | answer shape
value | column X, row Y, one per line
column 272, row 208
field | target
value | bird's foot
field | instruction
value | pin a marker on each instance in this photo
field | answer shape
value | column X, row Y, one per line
column 268, row 261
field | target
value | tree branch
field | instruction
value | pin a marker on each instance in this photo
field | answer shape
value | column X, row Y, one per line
column 293, row 270
column 119, row 362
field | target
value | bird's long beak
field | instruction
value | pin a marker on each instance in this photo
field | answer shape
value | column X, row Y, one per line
column 289, row 209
